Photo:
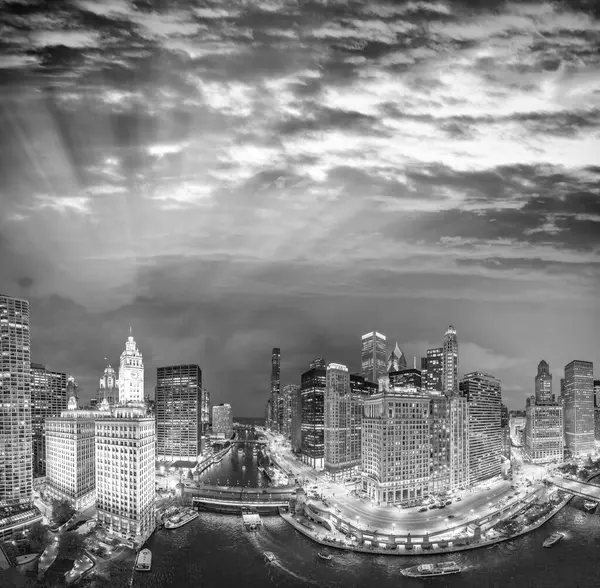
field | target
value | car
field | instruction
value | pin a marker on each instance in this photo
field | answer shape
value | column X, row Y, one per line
column 442, row 506
column 423, row 509
column 448, row 502
column 432, row 506
column 458, row 499
column 451, row 516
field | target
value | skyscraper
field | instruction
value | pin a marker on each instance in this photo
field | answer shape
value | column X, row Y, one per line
column 396, row 360
column 276, row 405
column 406, row 378
column 108, row 387
column 287, row 401
column 178, row 412
column 374, row 356
column 312, row 385
column 131, row 373
column 543, row 383
column 296, row 419
column 434, row 375
column 125, row 486
column 596, row 392
column 222, row 421
column 450, row 362
column 484, row 396
column 48, row 398
column 205, row 410
column 16, row 465
column 579, row 407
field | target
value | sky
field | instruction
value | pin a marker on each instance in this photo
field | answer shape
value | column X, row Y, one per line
column 229, row 177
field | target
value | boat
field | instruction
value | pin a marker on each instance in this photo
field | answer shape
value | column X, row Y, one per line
column 254, row 450
column 219, row 459
column 181, row 519
column 590, row 505
column 436, row 569
column 143, row 561
column 270, row 556
column 554, row 538
column 325, row 556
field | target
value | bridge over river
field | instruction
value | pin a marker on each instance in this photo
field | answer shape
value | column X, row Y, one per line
column 232, row 498
column 583, row 489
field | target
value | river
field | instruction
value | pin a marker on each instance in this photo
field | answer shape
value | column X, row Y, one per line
column 214, row 551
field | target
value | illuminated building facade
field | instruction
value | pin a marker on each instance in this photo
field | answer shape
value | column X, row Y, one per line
column 48, row 398
column 374, row 356
column 460, row 463
column 579, row 407
column 125, row 476
column 70, row 446
column 276, row 406
column 543, row 383
column 432, row 382
column 396, row 360
column 288, row 398
column 544, row 429
column 406, row 378
column 16, row 464
column 396, row 446
column 178, row 412
column 596, row 392
column 131, row 374
column 312, row 390
column 205, row 410
column 450, row 362
column 296, row 419
column 484, row 396
column 222, row 421
column 108, row 387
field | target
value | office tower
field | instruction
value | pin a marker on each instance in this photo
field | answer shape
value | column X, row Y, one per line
column 178, row 413
column 16, row 464
column 579, row 407
column 544, row 428
column 484, row 396
column 312, row 386
column 543, row 383
column 125, row 454
column 374, row 356
column 596, row 425
column 48, row 398
column 205, row 411
column 343, row 418
column 296, row 419
column 406, row 378
column 517, row 421
column 433, row 378
column 460, row 464
column 396, row 360
column 290, row 392
column 222, row 421
column 131, row 373
column 71, row 455
column 72, row 387
column 503, row 416
column 268, row 414
column 108, row 387
column 276, row 404
column 318, row 362
column 596, row 392
column 396, row 447
column 450, row 362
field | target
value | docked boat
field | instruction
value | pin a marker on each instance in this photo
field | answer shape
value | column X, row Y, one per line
column 181, row 519
column 590, row 505
column 325, row 556
column 554, row 538
column 270, row 556
column 436, row 569
column 143, row 562
column 218, row 460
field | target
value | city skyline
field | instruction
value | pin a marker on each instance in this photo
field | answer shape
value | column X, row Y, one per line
column 268, row 174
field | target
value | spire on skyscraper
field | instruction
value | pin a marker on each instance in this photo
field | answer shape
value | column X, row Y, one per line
column 396, row 360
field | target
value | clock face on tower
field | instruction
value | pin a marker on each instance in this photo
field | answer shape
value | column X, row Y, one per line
column 134, row 375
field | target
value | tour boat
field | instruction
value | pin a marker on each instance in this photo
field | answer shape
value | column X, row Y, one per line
column 436, row 569
column 554, row 538
column 325, row 556
column 270, row 556
column 143, row 561
column 590, row 505
column 181, row 519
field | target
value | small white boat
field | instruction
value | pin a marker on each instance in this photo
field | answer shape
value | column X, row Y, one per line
column 553, row 539
column 143, row 562
column 436, row 569
column 325, row 556
column 270, row 556
column 590, row 505
column 181, row 519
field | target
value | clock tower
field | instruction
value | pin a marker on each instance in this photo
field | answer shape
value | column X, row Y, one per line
column 131, row 373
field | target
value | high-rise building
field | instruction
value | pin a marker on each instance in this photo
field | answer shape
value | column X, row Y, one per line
column 460, row 463
column 543, row 383
column 205, row 410
column 433, row 377
column 16, row 465
column 484, row 395
column 596, row 392
column 406, row 378
column 288, row 395
column 396, row 360
column 48, row 398
column 108, row 387
column 579, row 407
column 503, row 416
column 450, row 362
column 312, row 386
column 343, row 419
column 374, row 356
column 396, row 446
column 71, row 455
column 222, row 421
column 131, row 373
column 125, row 472
column 178, row 412
column 296, row 419
column 276, row 406
column 544, row 428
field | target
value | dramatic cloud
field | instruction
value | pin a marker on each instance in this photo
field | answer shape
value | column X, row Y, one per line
column 230, row 177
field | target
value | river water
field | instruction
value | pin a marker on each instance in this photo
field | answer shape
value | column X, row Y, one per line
column 215, row 551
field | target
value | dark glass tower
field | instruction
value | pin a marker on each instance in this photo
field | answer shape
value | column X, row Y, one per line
column 434, row 363
column 276, row 400
column 374, row 356
column 312, row 391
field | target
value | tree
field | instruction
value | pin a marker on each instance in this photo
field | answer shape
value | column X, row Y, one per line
column 62, row 511
column 71, row 545
column 39, row 537
column 190, row 475
column 583, row 474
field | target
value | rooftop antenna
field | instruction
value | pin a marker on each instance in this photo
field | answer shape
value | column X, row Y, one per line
column 130, row 330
